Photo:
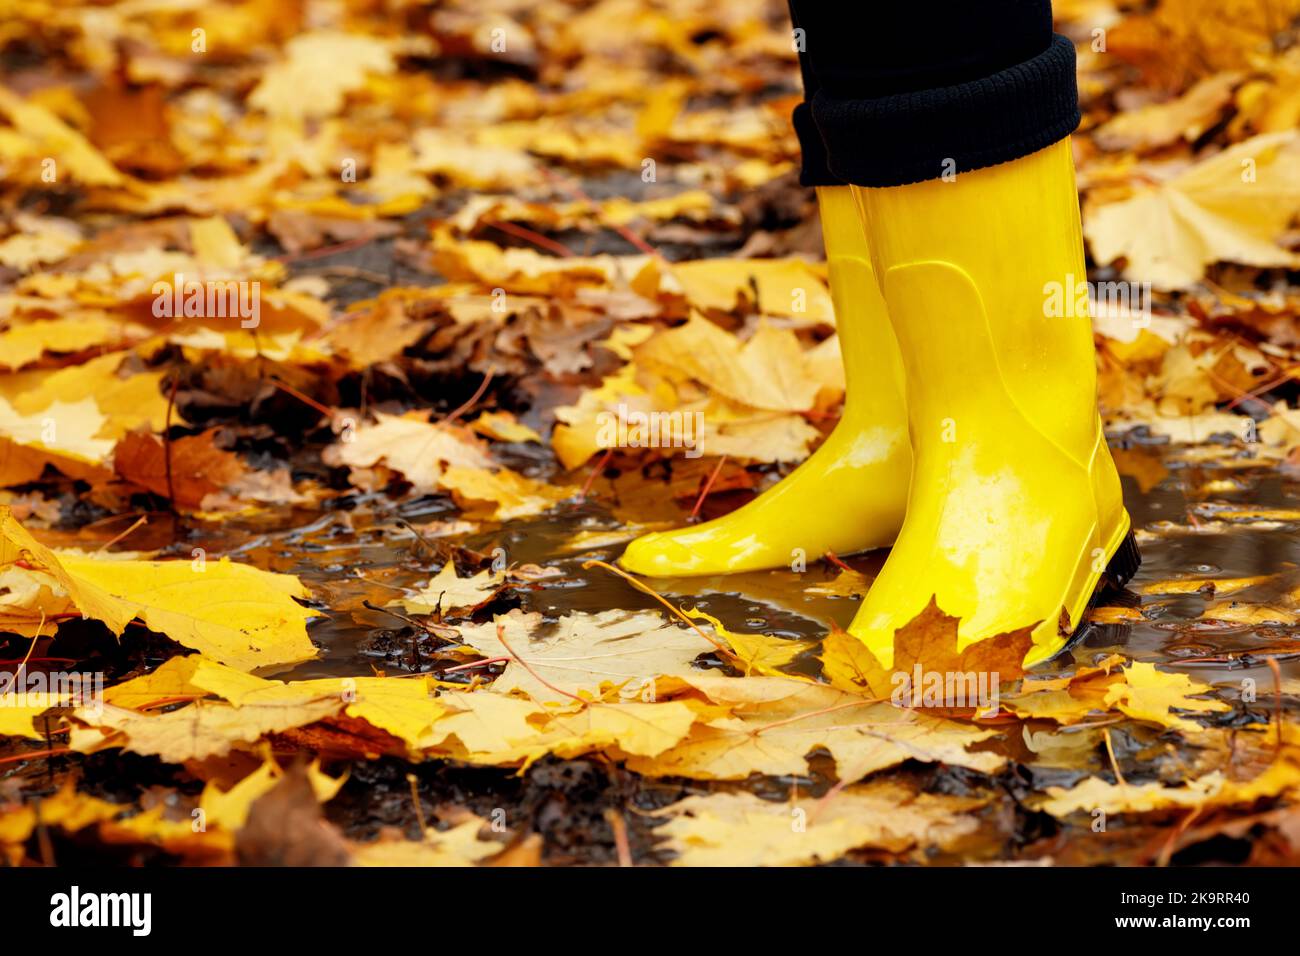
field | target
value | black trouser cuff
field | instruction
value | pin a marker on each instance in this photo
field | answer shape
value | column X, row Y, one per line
column 814, row 171
column 910, row 137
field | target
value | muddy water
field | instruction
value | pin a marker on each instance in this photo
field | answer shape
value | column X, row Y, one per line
column 1184, row 534
column 360, row 551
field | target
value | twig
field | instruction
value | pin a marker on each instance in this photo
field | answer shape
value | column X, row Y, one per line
column 349, row 272
column 833, row 558
column 143, row 519
column 591, row 478
column 708, row 486
column 576, row 191
column 501, row 636
column 18, row 674
column 33, row 754
column 323, row 251
column 167, row 441
column 1277, row 698
column 415, row 799
column 1114, row 764
column 616, row 823
column 482, row 663
column 473, row 399
column 43, row 837
column 305, row 399
column 430, row 629
column 1167, row 851
column 1241, row 396
column 433, row 548
column 646, row 589
column 520, row 232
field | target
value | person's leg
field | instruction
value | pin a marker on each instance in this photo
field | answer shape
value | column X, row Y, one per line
column 956, row 142
column 851, row 493
column 913, row 91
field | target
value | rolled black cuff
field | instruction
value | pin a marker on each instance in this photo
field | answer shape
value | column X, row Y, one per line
column 911, row 137
column 814, row 171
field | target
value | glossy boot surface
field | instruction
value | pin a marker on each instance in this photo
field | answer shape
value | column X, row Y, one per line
column 850, row 493
column 1014, row 510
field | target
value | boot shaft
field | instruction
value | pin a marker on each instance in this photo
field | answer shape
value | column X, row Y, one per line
column 873, row 370
column 984, row 279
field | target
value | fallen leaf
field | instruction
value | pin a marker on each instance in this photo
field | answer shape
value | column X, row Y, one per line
column 330, row 64
column 512, row 494
column 741, row 829
column 233, row 613
column 1231, row 207
column 581, row 653
column 420, row 451
column 459, row 846
column 777, row 723
column 1154, row 695
column 195, row 469
column 451, row 592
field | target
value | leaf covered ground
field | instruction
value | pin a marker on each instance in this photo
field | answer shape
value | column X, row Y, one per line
column 309, row 313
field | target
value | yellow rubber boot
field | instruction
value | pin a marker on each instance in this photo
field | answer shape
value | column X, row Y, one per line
column 1015, row 510
column 850, row 494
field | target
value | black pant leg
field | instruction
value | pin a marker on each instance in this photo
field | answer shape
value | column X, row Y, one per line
column 910, row 90
column 813, row 170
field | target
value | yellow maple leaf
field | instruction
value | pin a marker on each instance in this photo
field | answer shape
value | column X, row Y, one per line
column 484, row 727
column 450, row 592
column 728, row 428
column 126, row 403
column 420, row 450
column 528, row 272
column 234, row 613
column 228, row 809
column 786, row 287
column 580, row 653
column 1159, row 124
column 629, row 728
column 330, row 64
column 65, row 808
column 459, row 846
column 759, row 653
column 513, row 495
column 49, row 136
column 1212, row 789
column 776, row 723
column 742, row 829
column 769, row 371
column 62, row 435
column 199, row 730
column 460, row 158
column 1154, row 695
column 171, row 680
column 23, row 344
column 42, row 240
column 1230, row 207
column 19, row 712
column 404, row 708
column 504, row 427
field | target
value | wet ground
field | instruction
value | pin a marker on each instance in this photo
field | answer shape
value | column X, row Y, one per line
column 1219, row 519
column 1198, row 522
column 1201, row 517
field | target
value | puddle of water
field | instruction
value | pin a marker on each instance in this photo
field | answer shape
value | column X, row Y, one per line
column 362, row 552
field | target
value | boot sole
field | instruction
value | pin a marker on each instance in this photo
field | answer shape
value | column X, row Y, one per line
column 1123, row 565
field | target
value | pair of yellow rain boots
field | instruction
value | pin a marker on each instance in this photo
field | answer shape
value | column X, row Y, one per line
column 970, row 438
